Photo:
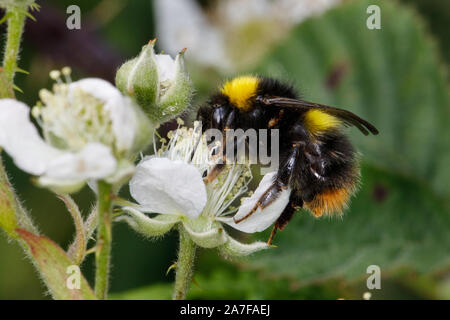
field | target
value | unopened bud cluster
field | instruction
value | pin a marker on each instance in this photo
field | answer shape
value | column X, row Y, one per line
column 158, row 83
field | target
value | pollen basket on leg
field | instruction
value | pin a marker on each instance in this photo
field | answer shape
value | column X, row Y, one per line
column 241, row 90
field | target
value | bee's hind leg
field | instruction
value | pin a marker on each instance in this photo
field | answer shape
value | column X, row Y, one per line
column 295, row 203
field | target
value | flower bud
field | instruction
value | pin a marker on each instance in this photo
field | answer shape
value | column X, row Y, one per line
column 159, row 84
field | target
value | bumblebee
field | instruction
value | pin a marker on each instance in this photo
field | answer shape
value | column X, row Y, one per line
column 317, row 161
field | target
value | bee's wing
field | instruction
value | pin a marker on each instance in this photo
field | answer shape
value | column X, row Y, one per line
column 347, row 117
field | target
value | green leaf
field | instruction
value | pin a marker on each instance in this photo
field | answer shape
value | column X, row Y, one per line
column 226, row 282
column 391, row 77
column 160, row 291
column 216, row 279
column 53, row 265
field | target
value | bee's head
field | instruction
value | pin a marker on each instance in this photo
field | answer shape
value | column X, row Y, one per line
column 239, row 93
column 214, row 113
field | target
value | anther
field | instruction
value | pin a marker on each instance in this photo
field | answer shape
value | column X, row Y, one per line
column 55, row 75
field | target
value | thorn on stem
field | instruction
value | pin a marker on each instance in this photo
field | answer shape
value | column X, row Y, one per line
column 172, row 267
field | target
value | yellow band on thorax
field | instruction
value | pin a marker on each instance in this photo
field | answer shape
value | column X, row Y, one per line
column 241, row 90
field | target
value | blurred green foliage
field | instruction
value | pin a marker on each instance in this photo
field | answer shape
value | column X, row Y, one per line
column 400, row 218
column 393, row 78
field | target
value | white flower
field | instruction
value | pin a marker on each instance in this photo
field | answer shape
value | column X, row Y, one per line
column 182, row 24
column 90, row 132
column 166, row 69
column 171, row 185
column 229, row 35
column 160, row 84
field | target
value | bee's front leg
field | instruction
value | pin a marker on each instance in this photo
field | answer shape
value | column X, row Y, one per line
column 214, row 173
column 281, row 182
column 271, row 194
column 218, row 168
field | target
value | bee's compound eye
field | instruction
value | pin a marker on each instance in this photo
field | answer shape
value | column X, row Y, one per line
column 256, row 113
column 219, row 116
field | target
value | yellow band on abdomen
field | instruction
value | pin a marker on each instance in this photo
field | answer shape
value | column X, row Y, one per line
column 317, row 121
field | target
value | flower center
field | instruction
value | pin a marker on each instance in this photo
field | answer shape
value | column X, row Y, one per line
column 190, row 146
column 70, row 118
column 228, row 187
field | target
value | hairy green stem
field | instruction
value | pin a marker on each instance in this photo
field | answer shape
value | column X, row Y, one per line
column 104, row 237
column 16, row 22
column 6, row 89
column 185, row 264
column 13, row 215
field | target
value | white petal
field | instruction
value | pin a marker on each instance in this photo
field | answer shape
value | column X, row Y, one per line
column 260, row 220
column 61, row 186
column 94, row 161
column 294, row 11
column 21, row 140
column 172, row 187
column 166, row 67
column 31, row 153
column 120, row 109
column 190, row 29
column 122, row 174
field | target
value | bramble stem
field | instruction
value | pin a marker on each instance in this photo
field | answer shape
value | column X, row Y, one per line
column 16, row 22
column 185, row 264
column 104, row 237
column 18, row 217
